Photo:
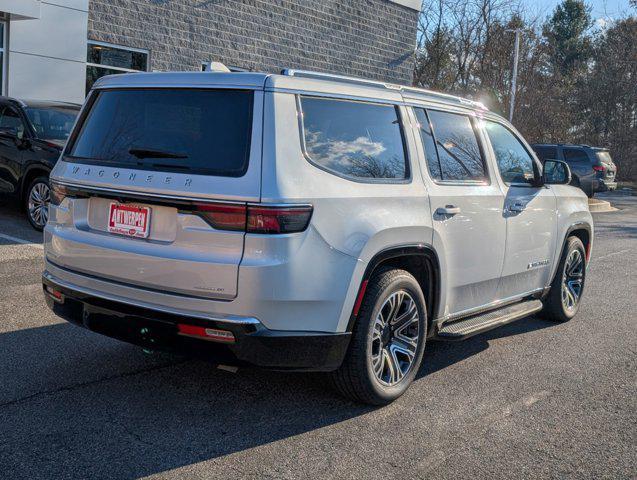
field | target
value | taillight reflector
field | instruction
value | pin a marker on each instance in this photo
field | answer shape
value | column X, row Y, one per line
column 599, row 168
column 361, row 295
column 205, row 333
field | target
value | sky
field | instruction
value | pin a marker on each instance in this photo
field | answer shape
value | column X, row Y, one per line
column 603, row 10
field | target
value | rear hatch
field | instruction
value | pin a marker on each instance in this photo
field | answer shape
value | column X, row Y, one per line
column 608, row 169
column 152, row 188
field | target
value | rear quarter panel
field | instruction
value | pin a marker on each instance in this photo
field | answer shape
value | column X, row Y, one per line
column 354, row 219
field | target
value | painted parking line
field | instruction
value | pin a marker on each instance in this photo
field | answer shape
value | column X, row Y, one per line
column 611, row 254
column 21, row 240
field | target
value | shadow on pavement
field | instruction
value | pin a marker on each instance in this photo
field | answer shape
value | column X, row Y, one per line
column 78, row 405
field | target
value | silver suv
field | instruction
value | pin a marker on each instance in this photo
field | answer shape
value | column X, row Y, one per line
column 305, row 221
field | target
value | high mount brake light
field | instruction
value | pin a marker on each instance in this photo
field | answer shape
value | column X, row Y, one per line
column 262, row 219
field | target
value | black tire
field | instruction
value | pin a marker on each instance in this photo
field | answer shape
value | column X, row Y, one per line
column 356, row 378
column 42, row 184
column 555, row 308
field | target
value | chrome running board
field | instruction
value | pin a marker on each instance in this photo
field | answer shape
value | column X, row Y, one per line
column 467, row 327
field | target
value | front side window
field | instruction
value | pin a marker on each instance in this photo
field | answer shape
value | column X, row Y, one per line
column 429, row 144
column 457, row 146
column 191, row 131
column 104, row 59
column 354, row 139
column 514, row 161
column 10, row 119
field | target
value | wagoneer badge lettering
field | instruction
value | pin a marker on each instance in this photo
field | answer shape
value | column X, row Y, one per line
column 166, row 180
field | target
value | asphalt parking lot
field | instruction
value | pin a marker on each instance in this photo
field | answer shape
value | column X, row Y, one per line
column 530, row 400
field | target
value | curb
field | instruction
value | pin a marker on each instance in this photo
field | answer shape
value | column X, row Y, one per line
column 596, row 205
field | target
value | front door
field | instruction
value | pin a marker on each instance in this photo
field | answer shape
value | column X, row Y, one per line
column 530, row 213
column 469, row 229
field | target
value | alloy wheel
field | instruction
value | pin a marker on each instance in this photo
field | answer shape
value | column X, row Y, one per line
column 572, row 280
column 38, row 205
column 395, row 337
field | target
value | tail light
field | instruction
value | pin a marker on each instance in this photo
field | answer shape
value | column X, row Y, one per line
column 57, row 192
column 223, row 216
column 599, row 168
column 263, row 219
column 278, row 219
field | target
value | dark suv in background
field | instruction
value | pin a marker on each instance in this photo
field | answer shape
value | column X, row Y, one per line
column 592, row 168
column 32, row 135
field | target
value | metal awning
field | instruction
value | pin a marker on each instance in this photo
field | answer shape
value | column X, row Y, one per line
column 21, row 8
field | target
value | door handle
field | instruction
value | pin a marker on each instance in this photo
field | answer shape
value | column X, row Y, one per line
column 516, row 207
column 448, row 210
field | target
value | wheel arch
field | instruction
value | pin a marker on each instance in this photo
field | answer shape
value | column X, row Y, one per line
column 581, row 230
column 31, row 172
column 419, row 260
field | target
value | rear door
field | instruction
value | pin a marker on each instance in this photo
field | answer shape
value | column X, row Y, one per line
column 10, row 150
column 530, row 213
column 469, row 229
column 181, row 163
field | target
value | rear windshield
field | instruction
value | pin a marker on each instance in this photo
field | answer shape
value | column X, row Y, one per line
column 195, row 131
column 52, row 123
column 604, row 157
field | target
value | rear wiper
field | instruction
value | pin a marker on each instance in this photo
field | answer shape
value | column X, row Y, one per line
column 151, row 153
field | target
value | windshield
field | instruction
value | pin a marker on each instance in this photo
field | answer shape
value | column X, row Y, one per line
column 604, row 157
column 183, row 130
column 52, row 123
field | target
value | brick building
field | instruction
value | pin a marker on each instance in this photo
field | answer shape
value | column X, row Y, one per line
column 55, row 49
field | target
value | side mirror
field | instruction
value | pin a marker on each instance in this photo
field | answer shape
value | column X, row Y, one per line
column 556, row 172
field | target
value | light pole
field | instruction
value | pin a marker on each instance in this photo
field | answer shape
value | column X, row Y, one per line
column 514, row 79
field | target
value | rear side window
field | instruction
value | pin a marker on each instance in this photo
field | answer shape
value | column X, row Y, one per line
column 354, row 139
column 546, row 153
column 457, row 146
column 575, row 155
column 194, row 131
column 604, row 156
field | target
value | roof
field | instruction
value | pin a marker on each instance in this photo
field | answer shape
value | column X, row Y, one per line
column 288, row 80
column 42, row 103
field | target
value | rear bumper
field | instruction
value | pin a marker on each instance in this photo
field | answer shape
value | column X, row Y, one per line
column 253, row 344
column 606, row 185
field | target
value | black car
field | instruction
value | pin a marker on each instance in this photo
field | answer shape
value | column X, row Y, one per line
column 592, row 168
column 32, row 135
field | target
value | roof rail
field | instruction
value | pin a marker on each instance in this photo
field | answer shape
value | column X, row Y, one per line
column 340, row 78
column 429, row 94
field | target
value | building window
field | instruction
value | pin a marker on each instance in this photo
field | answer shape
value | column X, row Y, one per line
column 3, row 30
column 106, row 59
